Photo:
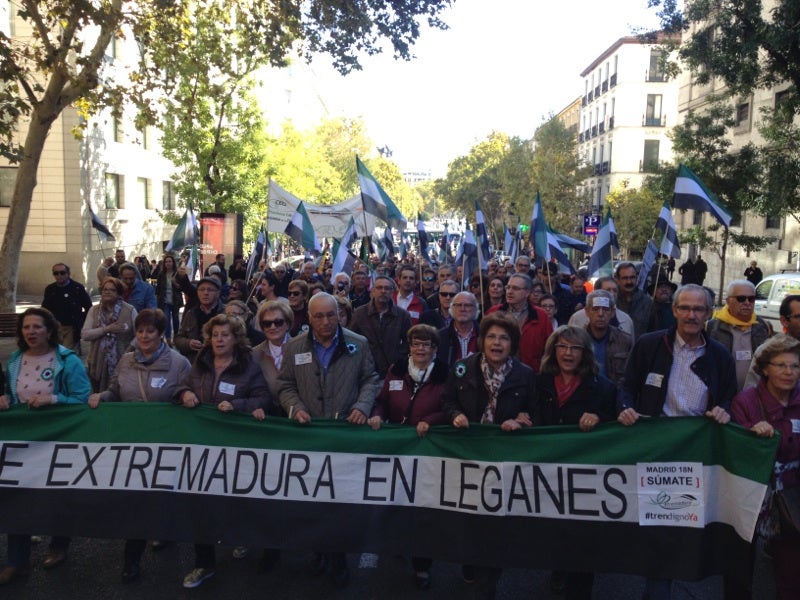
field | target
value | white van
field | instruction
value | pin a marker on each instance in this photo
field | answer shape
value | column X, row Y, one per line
column 771, row 291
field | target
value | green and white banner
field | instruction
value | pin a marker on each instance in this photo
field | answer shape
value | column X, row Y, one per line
column 667, row 497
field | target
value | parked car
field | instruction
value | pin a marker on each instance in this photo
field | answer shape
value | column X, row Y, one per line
column 771, row 291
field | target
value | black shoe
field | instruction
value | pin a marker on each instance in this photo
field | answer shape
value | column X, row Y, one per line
column 422, row 580
column 468, row 573
column 131, row 572
column 341, row 577
column 319, row 564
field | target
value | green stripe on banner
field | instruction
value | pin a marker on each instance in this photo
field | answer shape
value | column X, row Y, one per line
column 676, row 439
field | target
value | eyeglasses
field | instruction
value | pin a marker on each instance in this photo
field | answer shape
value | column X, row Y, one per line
column 700, row 310
column 294, row 293
column 419, row 344
column 515, row 288
column 458, row 305
column 794, row 368
column 431, row 278
column 569, row 348
column 266, row 323
column 59, row 272
column 448, row 294
column 742, row 299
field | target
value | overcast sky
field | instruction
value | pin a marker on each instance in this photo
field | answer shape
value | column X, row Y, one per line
column 503, row 65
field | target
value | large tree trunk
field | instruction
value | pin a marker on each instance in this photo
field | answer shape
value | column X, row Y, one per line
column 20, row 209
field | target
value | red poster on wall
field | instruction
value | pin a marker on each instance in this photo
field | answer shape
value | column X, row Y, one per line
column 220, row 233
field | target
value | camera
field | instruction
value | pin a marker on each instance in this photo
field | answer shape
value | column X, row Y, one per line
column 341, row 285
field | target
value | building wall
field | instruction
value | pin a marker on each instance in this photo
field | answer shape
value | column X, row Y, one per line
column 784, row 253
column 613, row 128
column 72, row 174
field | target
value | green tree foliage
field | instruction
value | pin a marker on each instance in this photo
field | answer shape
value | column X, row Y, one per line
column 750, row 45
column 635, row 212
column 556, row 173
column 476, row 177
column 701, row 143
column 62, row 64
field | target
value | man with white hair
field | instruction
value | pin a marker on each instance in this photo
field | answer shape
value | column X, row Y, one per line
column 327, row 372
column 459, row 339
column 738, row 328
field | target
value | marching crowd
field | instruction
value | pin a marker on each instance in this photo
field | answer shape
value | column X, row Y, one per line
column 405, row 343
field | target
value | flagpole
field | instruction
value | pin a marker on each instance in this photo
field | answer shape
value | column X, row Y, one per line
column 480, row 273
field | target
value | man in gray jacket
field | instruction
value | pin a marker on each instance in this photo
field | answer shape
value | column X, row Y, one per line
column 328, row 373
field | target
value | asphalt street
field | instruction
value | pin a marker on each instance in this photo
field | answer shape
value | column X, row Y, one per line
column 93, row 569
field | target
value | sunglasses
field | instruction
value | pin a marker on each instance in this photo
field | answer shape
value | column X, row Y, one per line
column 293, row 293
column 750, row 299
column 429, row 279
column 59, row 272
column 266, row 323
column 448, row 294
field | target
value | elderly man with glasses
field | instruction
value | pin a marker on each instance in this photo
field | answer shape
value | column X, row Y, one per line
column 384, row 325
column 679, row 372
column 533, row 322
column 459, row 339
column 737, row 327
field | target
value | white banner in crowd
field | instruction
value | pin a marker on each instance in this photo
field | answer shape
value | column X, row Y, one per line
column 328, row 221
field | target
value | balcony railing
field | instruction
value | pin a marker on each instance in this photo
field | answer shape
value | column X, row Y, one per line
column 654, row 121
column 654, row 76
column 590, row 96
column 587, row 134
column 580, row 138
column 649, row 166
column 601, row 127
column 605, row 167
column 598, row 169
column 597, row 92
column 613, row 80
column 594, row 130
column 611, row 122
column 605, row 86
column 583, row 101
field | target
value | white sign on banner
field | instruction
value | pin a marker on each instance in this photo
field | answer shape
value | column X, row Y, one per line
column 671, row 493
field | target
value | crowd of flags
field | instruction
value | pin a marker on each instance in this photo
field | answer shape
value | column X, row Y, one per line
column 474, row 248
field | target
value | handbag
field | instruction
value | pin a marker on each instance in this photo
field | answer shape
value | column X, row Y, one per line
column 788, row 506
column 785, row 502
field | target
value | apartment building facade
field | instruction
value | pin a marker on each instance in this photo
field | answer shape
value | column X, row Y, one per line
column 784, row 252
column 628, row 106
column 112, row 167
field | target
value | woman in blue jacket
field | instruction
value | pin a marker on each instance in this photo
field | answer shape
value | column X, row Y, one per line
column 40, row 373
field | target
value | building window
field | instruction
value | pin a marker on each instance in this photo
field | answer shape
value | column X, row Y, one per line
column 781, row 97
column 167, row 195
column 772, row 222
column 650, row 157
column 658, row 59
column 743, row 114
column 697, row 217
column 8, row 177
column 145, row 193
column 653, row 114
column 113, row 187
column 119, row 134
column 144, row 136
